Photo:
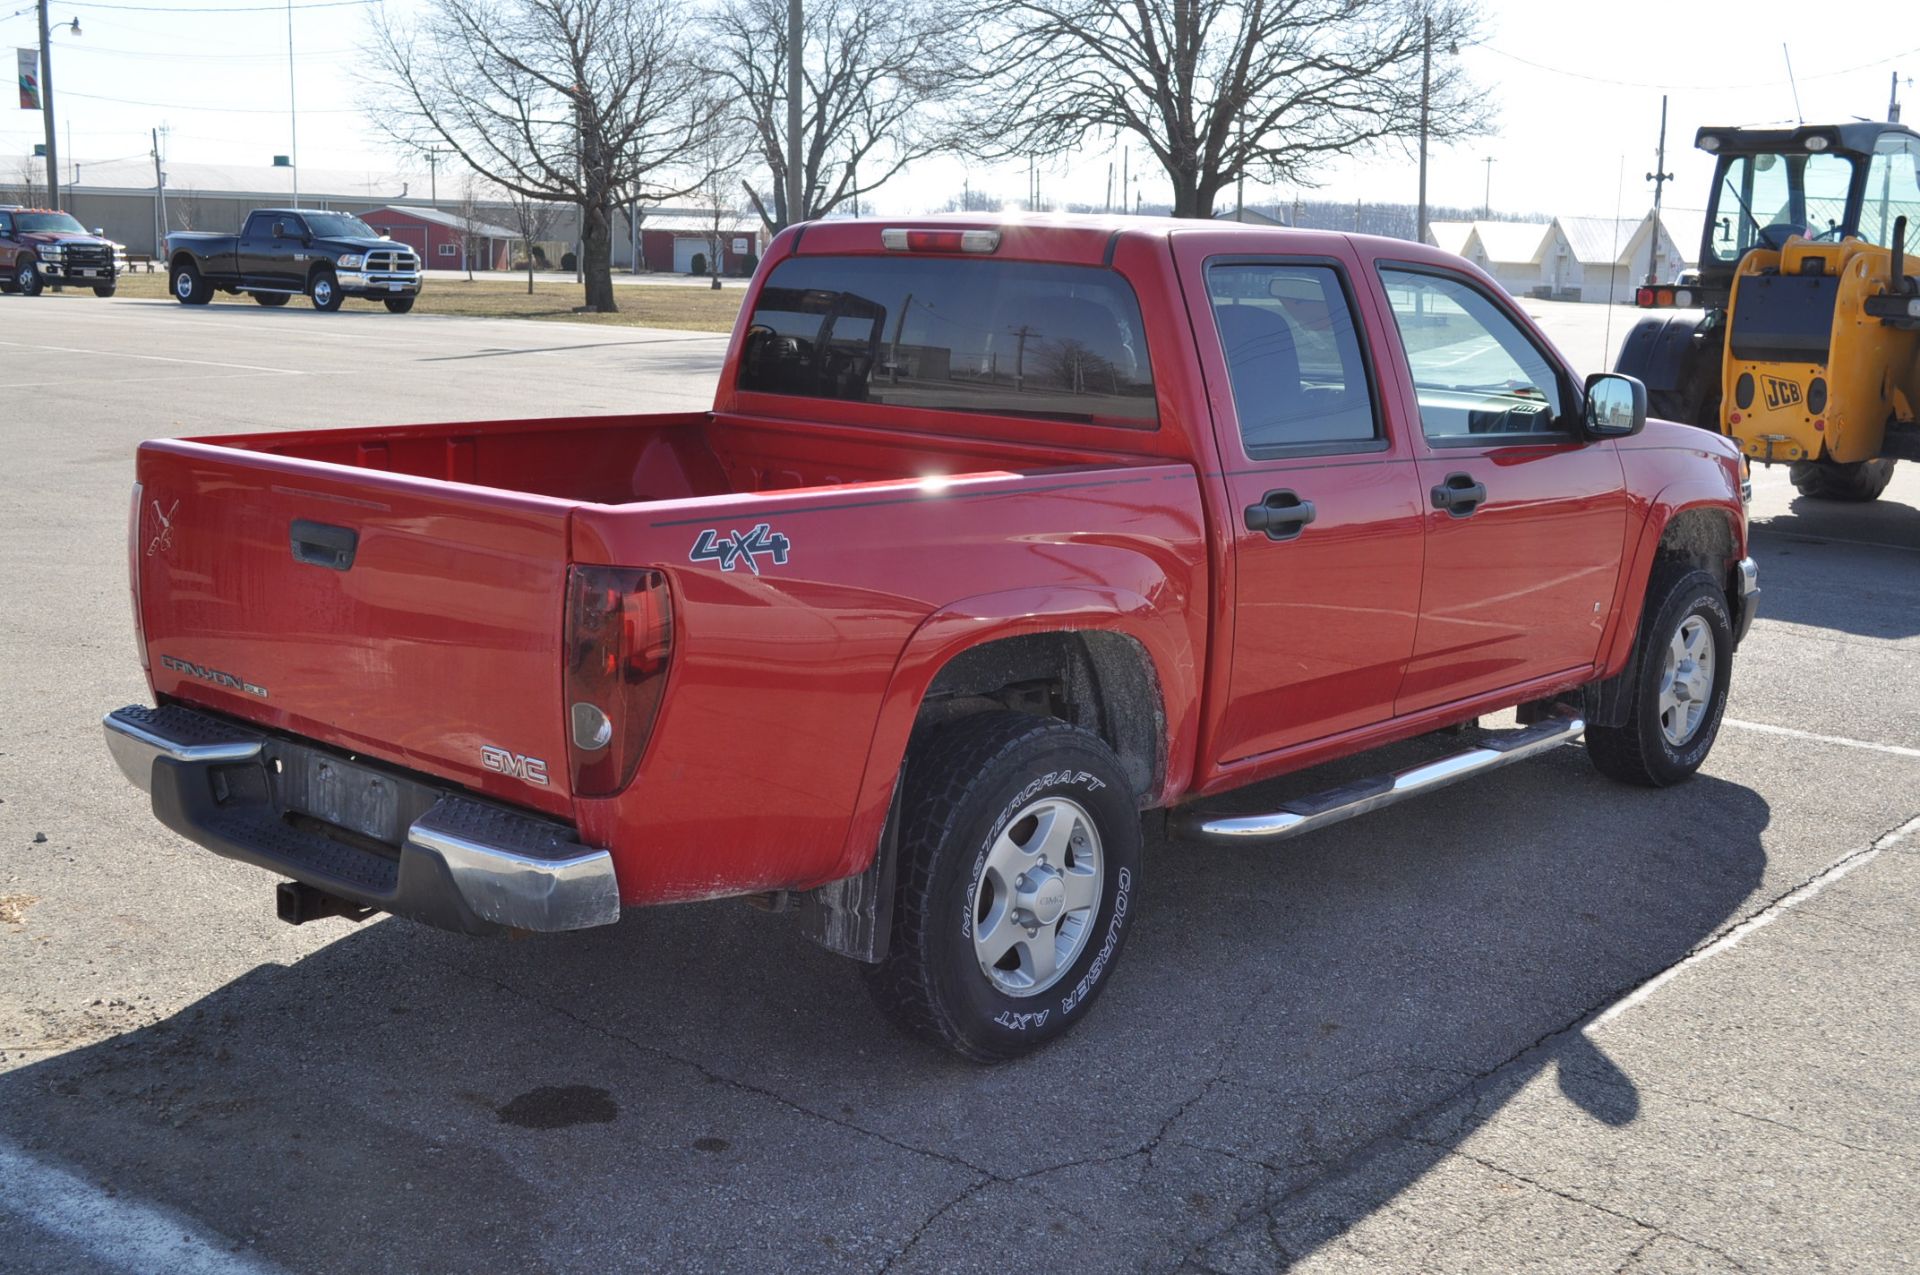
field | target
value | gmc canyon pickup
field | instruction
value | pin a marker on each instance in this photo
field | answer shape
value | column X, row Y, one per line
column 290, row 252
column 998, row 536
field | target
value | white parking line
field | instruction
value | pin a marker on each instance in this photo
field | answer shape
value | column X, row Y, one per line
column 121, row 1234
column 1760, row 920
column 153, row 358
column 1788, row 731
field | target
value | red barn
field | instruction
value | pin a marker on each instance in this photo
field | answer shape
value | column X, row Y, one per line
column 440, row 236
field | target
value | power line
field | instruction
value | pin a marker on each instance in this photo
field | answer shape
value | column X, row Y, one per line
column 1692, row 88
column 239, row 57
column 178, row 106
column 243, row 8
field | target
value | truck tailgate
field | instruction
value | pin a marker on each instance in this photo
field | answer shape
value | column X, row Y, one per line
column 412, row 621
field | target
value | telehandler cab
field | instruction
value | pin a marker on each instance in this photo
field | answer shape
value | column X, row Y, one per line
column 1799, row 337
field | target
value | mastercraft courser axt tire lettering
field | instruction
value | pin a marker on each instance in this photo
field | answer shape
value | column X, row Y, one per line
column 1019, row 876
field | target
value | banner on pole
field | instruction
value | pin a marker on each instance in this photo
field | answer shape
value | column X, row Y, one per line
column 29, row 79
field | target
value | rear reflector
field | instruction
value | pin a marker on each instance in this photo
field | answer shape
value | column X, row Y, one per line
column 133, row 572
column 899, row 240
column 619, row 643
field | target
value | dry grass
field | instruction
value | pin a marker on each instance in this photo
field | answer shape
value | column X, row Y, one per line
column 13, row 907
column 698, row 309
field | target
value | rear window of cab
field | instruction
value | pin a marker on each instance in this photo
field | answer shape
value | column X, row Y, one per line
column 1004, row 338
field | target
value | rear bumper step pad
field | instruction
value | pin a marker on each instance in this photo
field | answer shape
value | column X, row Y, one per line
column 1335, row 805
column 372, row 836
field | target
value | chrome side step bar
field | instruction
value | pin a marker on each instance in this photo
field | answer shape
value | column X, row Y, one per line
column 1336, row 805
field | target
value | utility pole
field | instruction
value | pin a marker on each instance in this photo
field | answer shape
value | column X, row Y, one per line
column 1426, row 90
column 1893, row 100
column 293, row 112
column 1126, row 156
column 46, row 108
column 796, row 193
column 1486, row 209
column 1659, row 177
column 159, row 201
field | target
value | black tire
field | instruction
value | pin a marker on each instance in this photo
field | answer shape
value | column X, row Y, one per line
column 103, row 289
column 271, row 299
column 187, row 286
column 1638, row 751
column 324, row 290
column 27, row 279
column 1859, row 482
column 399, row 305
column 965, row 784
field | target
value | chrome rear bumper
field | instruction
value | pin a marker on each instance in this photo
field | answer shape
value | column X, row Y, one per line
column 376, row 837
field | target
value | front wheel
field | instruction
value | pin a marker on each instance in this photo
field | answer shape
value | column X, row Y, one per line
column 1680, row 669
column 1019, row 861
column 399, row 305
column 325, row 292
column 103, row 289
column 27, row 279
column 1859, row 482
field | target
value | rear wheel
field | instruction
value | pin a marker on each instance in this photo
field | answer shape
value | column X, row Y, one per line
column 399, row 305
column 1861, row 481
column 270, row 298
column 1019, row 858
column 27, row 278
column 1680, row 668
column 187, row 286
column 325, row 292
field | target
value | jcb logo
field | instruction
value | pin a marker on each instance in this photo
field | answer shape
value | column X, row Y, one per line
column 500, row 761
column 1780, row 393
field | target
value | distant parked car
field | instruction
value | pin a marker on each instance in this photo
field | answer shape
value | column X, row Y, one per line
column 288, row 252
column 39, row 246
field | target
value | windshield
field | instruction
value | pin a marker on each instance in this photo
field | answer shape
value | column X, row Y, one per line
column 1764, row 199
column 339, row 226
column 62, row 222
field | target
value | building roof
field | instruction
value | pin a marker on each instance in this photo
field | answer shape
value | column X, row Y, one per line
column 259, row 180
column 1600, row 240
column 1450, row 236
column 1512, row 242
column 1686, row 226
column 452, row 221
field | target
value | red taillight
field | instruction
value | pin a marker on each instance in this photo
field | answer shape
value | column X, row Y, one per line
column 619, row 642
column 1643, row 297
column 899, row 240
column 1664, row 297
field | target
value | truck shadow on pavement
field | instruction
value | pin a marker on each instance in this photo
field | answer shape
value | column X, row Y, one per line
column 699, row 1088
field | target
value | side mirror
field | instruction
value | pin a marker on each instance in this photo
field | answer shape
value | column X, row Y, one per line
column 1616, row 406
column 100, row 232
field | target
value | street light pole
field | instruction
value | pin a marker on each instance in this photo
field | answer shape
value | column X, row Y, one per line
column 293, row 112
column 1486, row 210
column 796, row 187
column 46, row 107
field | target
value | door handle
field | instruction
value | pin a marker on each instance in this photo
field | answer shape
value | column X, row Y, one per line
column 323, row 545
column 1281, row 514
column 1459, row 495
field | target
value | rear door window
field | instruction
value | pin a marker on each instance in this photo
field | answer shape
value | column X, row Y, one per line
column 1293, row 354
column 1006, row 338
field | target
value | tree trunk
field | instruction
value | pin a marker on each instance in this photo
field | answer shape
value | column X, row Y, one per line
column 1189, row 199
column 596, row 257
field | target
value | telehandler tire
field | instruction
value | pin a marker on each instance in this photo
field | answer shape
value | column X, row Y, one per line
column 1859, row 482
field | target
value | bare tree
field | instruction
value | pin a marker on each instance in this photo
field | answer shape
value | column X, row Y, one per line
column 1218, row 89
column 26, row 185
column 875, row 74
column 534, row 219
column 971, row 200
column 722, row 153
column 467, row 216
column 577, row 101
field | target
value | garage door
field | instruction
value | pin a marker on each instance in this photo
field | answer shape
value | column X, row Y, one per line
column 684, row 250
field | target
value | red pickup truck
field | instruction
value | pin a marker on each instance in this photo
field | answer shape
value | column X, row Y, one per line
column 998, row 537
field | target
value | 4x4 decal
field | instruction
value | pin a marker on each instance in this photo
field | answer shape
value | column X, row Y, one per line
column 741, row 546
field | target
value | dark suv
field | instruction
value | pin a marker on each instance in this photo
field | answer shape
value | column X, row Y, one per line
column 39, row 246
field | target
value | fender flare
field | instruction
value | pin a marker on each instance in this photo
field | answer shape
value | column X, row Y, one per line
column 1675, row 499
column 988, row 617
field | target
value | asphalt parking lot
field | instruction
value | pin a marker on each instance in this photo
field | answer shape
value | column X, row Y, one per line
column 1535, row 1022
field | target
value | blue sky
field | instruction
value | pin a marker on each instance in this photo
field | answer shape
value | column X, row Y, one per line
column 1578, row 87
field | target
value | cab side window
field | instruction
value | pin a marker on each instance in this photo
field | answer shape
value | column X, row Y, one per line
column 1294, row 361
column 1479, row 378
column 6, row 225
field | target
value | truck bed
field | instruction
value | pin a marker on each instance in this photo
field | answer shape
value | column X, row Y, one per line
column 401, row 593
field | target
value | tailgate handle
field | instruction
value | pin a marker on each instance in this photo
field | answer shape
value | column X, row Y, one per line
column 324, row 545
